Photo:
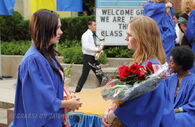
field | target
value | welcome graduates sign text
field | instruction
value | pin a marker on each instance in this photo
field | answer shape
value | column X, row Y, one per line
column 112, row 18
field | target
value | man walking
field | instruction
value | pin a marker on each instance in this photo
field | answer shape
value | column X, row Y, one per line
column 89, row 49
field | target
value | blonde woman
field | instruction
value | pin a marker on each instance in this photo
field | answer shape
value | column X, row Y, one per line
column 147, row 110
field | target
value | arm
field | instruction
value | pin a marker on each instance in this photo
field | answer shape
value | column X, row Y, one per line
column 39, row 91
column 190, row 106
column 72, row 104
column 190, row 31
column 155, row 11
column 106, row 120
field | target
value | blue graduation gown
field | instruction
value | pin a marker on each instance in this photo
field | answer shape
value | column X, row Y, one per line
column 39, row 91
column 190, row 31
column 165, row 23
column 153, row 109
column 185, row 98
column 192, row 70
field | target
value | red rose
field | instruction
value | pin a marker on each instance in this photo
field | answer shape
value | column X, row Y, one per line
column 134, row 68
column 149, row 68
column 124, row 72
column 141, row 75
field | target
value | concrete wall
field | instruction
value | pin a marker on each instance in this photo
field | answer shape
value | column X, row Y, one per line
column 10, row 64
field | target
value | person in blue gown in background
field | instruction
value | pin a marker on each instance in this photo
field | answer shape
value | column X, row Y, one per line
column 182, row 86
column 190, row 31
column 39, row 100
column 162, row 12
column 152, row 109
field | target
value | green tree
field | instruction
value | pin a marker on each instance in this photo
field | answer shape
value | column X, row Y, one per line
column 88, row 7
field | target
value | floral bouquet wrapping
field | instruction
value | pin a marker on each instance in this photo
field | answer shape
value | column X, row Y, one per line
column 66, row 122
column 132, row 81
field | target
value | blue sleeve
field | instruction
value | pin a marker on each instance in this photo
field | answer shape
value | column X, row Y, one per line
column 190, row 106
column 154, row 106
column 155, row 11
column 38, row 91
column 190, row 31
column 137, row 112
column 172, row 9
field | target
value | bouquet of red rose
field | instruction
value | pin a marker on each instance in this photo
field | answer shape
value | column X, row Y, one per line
column 132, row 81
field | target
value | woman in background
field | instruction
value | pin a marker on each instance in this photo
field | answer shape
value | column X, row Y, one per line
column 182, row 86
column 162, row 12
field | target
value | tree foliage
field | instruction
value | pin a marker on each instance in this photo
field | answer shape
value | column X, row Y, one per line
column 88, row 7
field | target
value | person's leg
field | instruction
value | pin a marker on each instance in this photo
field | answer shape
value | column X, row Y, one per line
column 84, row 75
column 95, row 66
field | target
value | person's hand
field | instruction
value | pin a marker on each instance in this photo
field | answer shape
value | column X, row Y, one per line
column 144, row 2
column 74, row 104
column 168, row 5
column 176, row 110
column 105, row 118
column 99, row 49
column 111, row 116
column 73, row 95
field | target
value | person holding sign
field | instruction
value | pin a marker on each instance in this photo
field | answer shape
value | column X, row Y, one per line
column 89, row 49
column 162, row 12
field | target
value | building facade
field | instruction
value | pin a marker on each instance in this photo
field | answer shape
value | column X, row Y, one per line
column 24, row 8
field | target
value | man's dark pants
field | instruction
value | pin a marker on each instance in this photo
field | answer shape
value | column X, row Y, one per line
column 89, row 63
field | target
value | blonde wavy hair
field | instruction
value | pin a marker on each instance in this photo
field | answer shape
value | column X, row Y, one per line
column 158, row 1
column 186, row 6
column 147, row 36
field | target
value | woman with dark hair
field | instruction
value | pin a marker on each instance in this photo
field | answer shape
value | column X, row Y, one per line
column 182, row 86
column 39, row 99
column 182, row 23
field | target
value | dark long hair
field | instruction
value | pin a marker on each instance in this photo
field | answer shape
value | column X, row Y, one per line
column 43, row 26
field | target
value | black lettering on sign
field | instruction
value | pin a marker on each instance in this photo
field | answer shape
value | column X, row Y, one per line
column 118, row 19
column 139, row 12
column 123, row 26
column 114, row 33
column 104, row 12
column 117, row 12
column 104, row 19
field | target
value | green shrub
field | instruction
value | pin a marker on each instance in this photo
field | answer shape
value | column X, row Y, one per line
column 103, row 59
column 15, row 47
column 71, row 50
column 69, row 44
column 22, row 30
column 8, row 25
column 75, row 55
column 72, row 55
column 74, row 27
column 118, row 51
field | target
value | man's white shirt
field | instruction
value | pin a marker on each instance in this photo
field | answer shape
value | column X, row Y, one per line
column 88, row 45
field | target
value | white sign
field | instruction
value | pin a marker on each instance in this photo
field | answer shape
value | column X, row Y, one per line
column 113, row 21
